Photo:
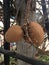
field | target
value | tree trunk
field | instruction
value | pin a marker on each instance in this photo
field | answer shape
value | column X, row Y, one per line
column 23, row 47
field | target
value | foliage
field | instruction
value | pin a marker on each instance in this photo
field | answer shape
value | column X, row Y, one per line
column 13, row 61
column 44, row 58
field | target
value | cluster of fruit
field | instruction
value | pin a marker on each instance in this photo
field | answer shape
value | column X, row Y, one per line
column 34, row 30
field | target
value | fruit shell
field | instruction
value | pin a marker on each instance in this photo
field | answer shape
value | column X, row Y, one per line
column 36, row 33
column 14, row 34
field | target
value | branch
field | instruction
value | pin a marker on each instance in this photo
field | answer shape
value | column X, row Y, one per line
column 39, row 11
column 22, row 57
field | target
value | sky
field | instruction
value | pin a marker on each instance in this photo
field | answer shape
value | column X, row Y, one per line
column 1, row 24
column 1, row 0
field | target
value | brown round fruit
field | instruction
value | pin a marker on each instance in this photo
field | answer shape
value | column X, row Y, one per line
column 36, row 33
column 14, row 34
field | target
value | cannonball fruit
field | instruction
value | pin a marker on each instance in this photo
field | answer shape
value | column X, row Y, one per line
column 14, row 34
column 36, row 33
